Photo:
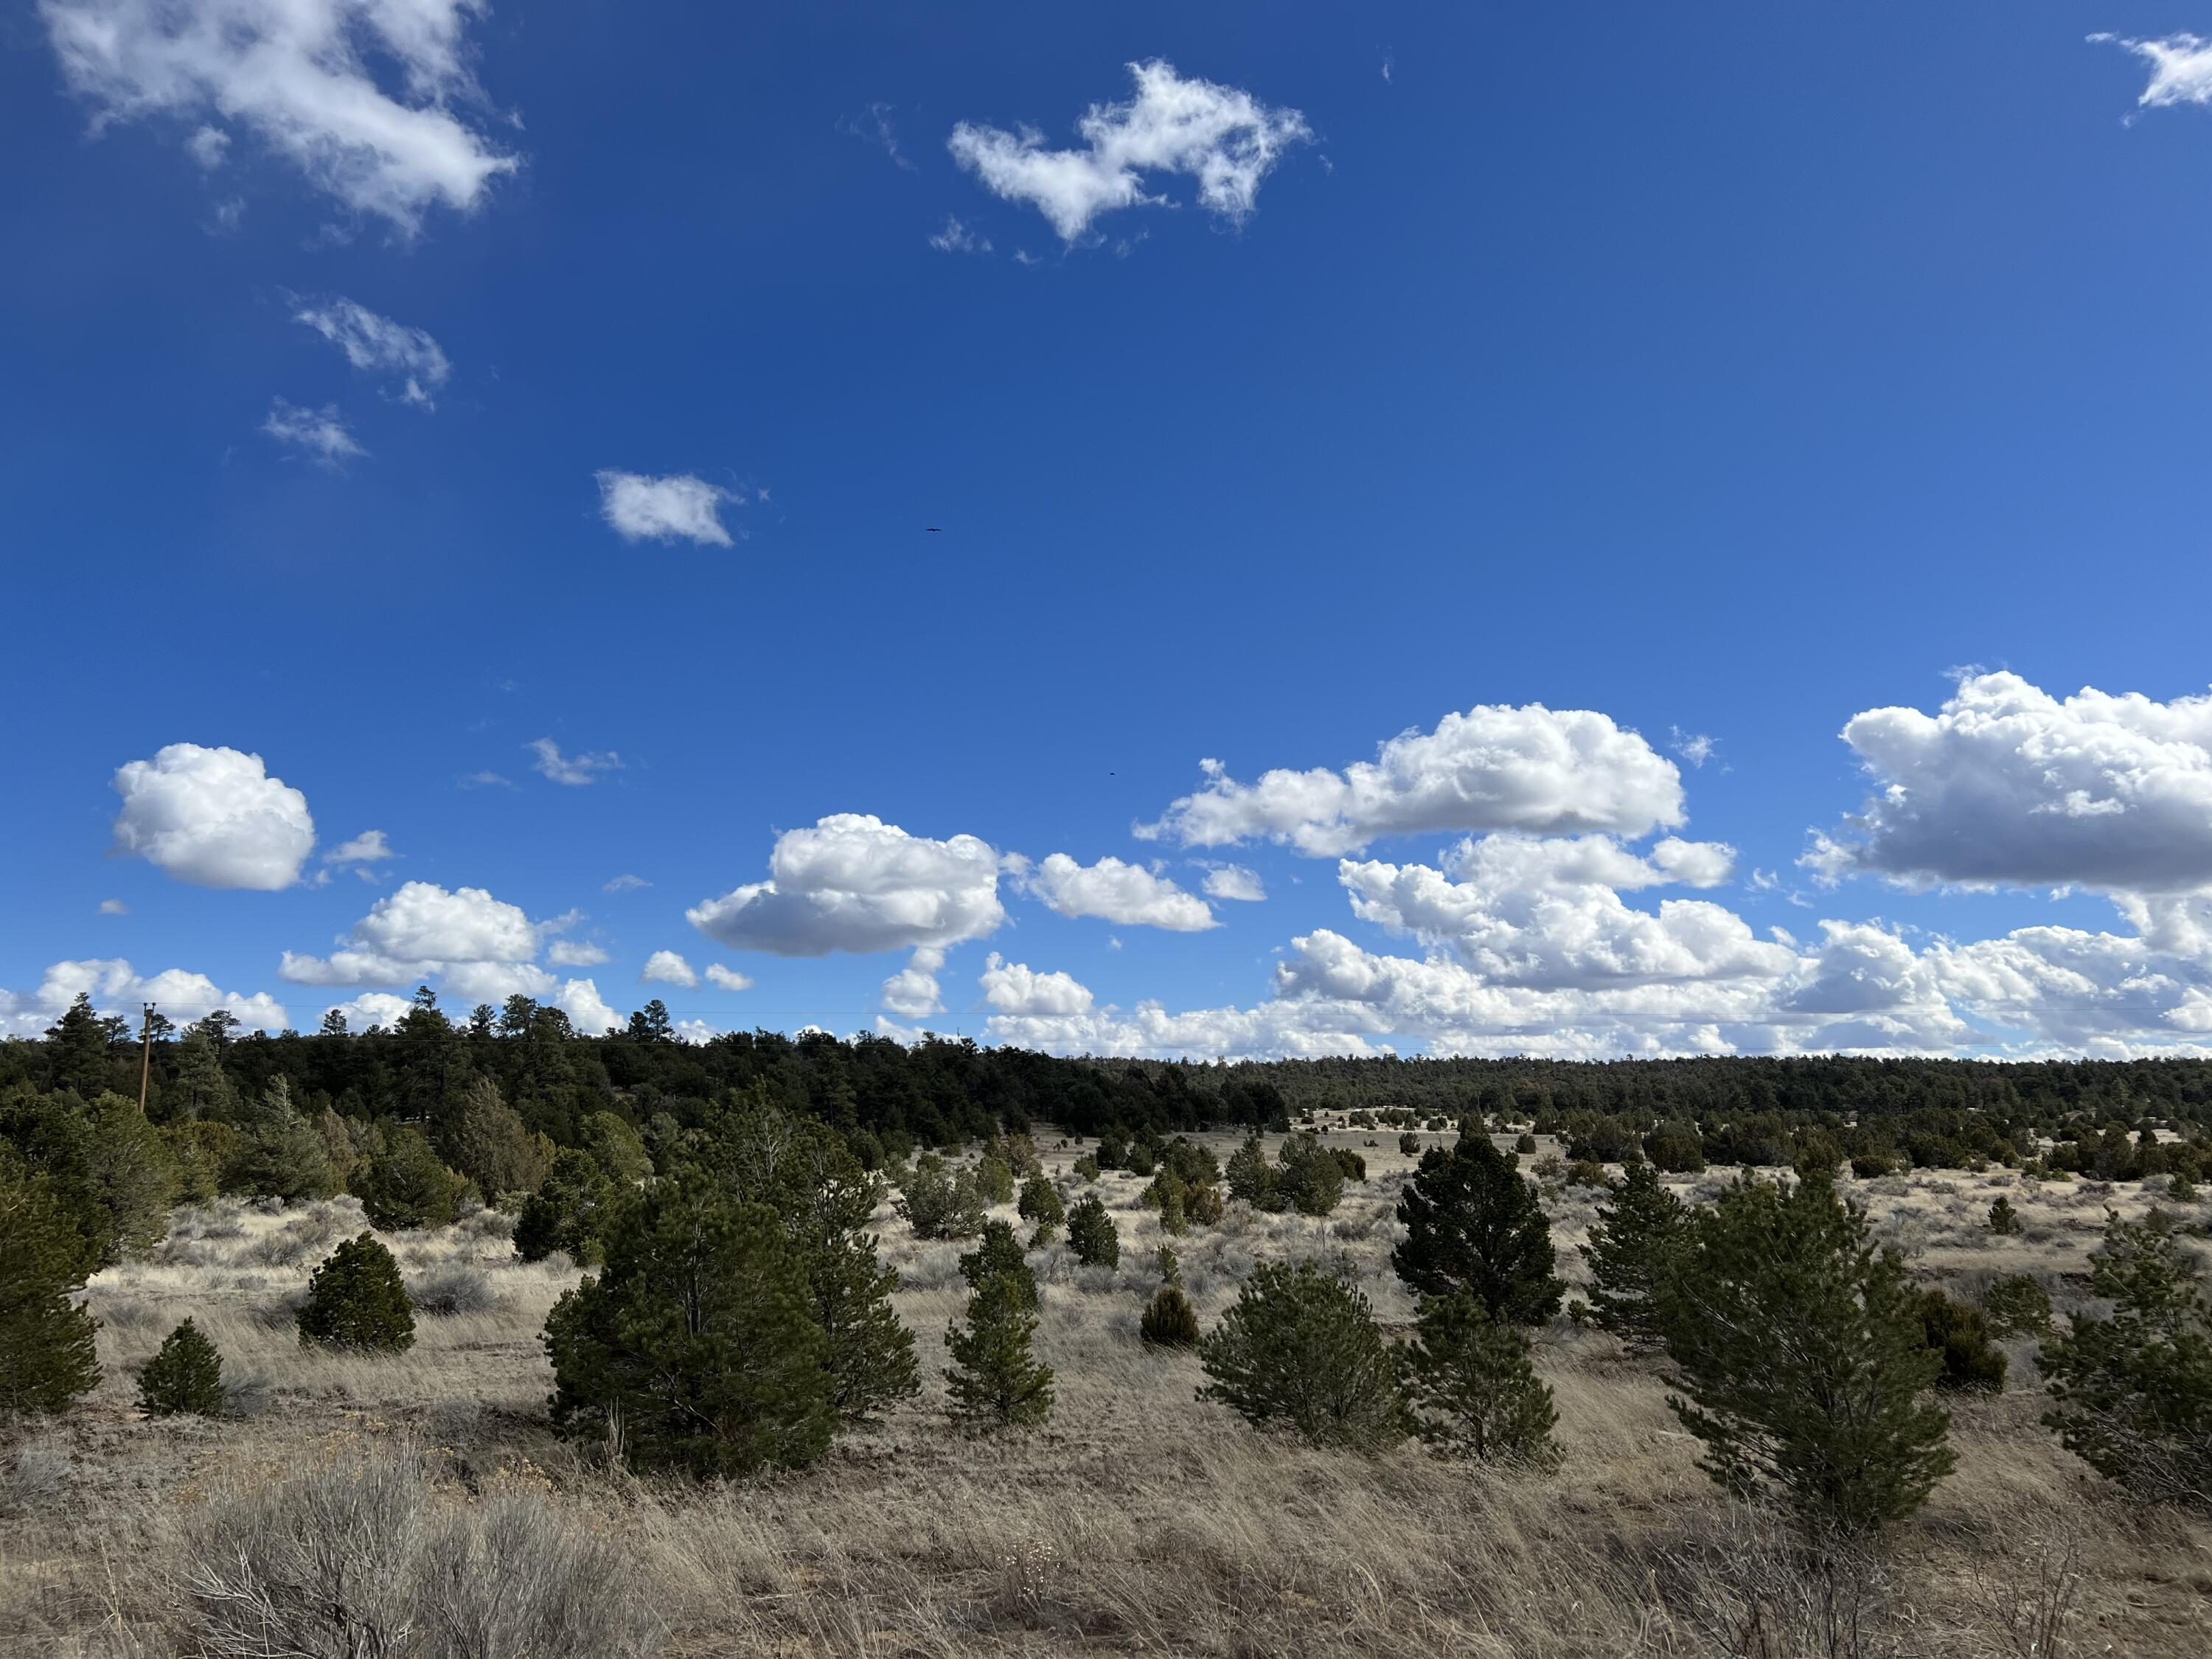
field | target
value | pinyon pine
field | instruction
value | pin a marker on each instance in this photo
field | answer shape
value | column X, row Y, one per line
column 1473, row 1223
column 1474, row 1392
column 357, row 1300
column 995, row 1379
column 1302, row 1346
column 1629, row 1240
column 184, row 1375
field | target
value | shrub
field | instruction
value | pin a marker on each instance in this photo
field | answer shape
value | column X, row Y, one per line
column 994, row 1180
column 2016, row 1305
column 940, row 1201
column 1250, row 1177
column 2133, row 1394
column 1962, row 1335
column 1092, row 1235
column 995, row 1380
column 567, row 1212
column 1818, row 1154
column 405, row 1184
column 357, row 1300
column 1201, row 1203
column 1311, row 1178
column 1676, row 1148
column 47, row 1345
column 1087, row 1167
column 362, row 1556
column 2003, row 1219
column 1473, row 1223
column 1409, row 1145
column 695, row 1348
column 1801, row 1351
column 184, row 1375
column 1584, row 1172
column 1474, row 1392
column 453, row 1290
column 998, row 1255
column 1524, row 1143
column 1302, row 1346
column 1170, row 1321
column 1353, row 1166
column 1040, row 1202
column 1627, row 1243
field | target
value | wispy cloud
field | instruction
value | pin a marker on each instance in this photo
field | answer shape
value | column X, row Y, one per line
column 957, row 238
column 320, row 433
column 378, row 345
column 874, row 126
column 572, row 770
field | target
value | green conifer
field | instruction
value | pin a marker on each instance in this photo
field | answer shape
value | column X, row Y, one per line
column 1473, row 1223
column 1301, row 1346
column 1091, row 1234
column 1475, row 1394
column 357, row 1300
column 995, row 1379
column 184, row 1375
column 47, row 1356
column 1627, row 1243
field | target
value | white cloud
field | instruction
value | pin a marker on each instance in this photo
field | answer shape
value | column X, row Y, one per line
column 116, row 988
column 2181, row 68
column 1529, row 769
column 363, row 96
column 485, row 780
column 913, row 992
column 1016, row 989
column 727, row 979
column 662, row 509
column 625, row 884
column 214, row 817
column 378, row 345
column 957, row 238
column 372, row 1008
column 667, row 968
column 2006, row 784
column 421, row 930
column 1527, row 912
column 1115, row 891
column 875, row 125
column 368, row 847
column 209, row 146
column 1696, row 747
column 320, row 432
column 575, row 770
column 1224, row 138
column 580, row 999
column 853, row 883
column 113, row 907
column 574, row 953
column 1234, row 881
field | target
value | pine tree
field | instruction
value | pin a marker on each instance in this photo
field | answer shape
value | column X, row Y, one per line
column 1091, row 1234
column 2016, row 1305
column 1312, row 1177
column 998, row 1255
column 47, row 1354
column 283, row 1155
column 994, row 1179
column 1040, row 1202
column 1627, row 1243
column 492, row 1146
column 995, row 1378
column 1474, row 1392
column 805, row 1172
column 1473, row 1223
column 184, row 1375
column 357, row 1300
column 1250, row 1176
column 941, row 1202
column 405, row 1184
column 1801, row 1354
column 694, row 1349
column 1302, row 1346
column 79, row 1050
column 202, row 1090
column 2003, row 1219
column 568, row 1213
column 2132, row 1393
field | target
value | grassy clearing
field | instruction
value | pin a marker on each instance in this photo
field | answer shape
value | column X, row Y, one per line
column 1139, row 1521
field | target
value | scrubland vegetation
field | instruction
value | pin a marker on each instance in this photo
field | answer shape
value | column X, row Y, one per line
column 733, row 1374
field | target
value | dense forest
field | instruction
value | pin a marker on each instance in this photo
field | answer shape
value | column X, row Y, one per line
column 887, row 1097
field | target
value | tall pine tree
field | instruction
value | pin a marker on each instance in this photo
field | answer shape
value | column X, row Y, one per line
column 1473, row 1224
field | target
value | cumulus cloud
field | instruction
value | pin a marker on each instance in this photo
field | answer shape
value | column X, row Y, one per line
column 574, row 953
column 320, row 433
column 640, row 508
column 575, row 770
column 2181, row 68
column 116, row 988
column 1224, row 138
column 1529, row 769
column 1114, row 891
column 380, row 345
column 727, row 979
column 370, row 100
column 667, row 968
column 587, row 1012
column 853, row 883
column 371, row 1008
column 1016, row 989
column 214, row 817
column 422, row 930
column 2006, row 784
column 1235, row 882
column 913, row 992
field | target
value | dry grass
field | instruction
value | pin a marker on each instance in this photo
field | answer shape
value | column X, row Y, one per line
column 1140, row 1521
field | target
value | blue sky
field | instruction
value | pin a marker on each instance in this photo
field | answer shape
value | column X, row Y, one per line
column 1565, row 385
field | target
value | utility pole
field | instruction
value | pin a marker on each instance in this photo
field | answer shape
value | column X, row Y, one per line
column 145, row 1057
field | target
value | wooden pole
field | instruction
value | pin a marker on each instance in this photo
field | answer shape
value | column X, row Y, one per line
column 145, row 1057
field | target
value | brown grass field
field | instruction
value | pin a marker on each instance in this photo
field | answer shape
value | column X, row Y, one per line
column 1139, row 1521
